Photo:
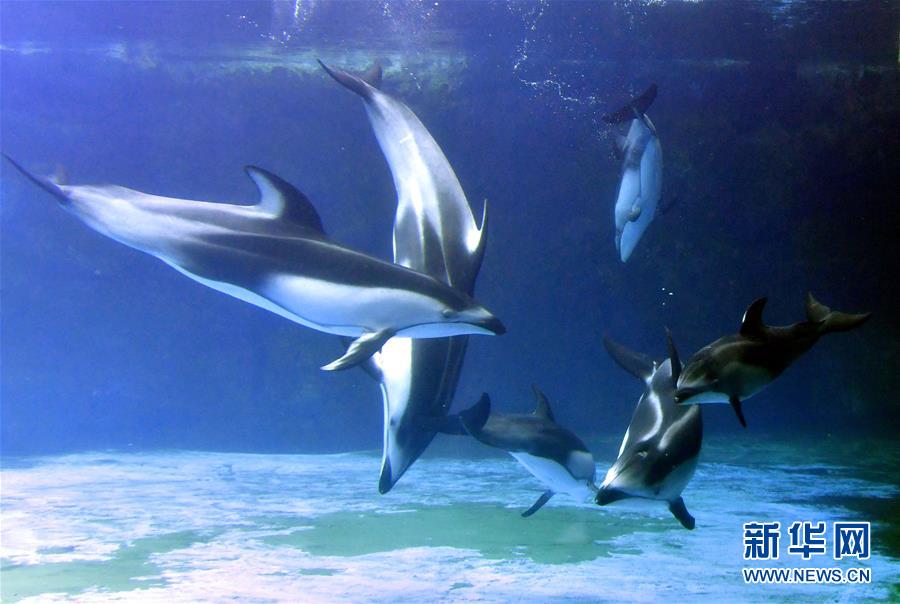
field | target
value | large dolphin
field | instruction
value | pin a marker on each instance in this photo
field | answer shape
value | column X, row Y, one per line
column 659, row 453
column 641, row 183
column 275, row 255
column 434, row 233
column 553, row 454
column 736, row 367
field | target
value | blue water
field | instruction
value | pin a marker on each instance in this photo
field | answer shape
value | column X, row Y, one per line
column 779, row 125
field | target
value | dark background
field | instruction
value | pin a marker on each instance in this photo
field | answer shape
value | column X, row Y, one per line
column 779, row 124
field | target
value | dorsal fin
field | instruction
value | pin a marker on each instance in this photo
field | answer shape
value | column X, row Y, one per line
column 752, row 323
column 373, row 75
column 542, row 409
column 281, row 200
column 635, row 363
column 60, row 176
column 362, row 84
column 477, row 254
column 635, row 108
column 831, row 320
column 673, row 359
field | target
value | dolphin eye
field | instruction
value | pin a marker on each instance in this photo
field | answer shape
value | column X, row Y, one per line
column 448, row 314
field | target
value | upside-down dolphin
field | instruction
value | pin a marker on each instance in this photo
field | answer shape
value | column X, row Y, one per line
column 736, row 367
column 641, row 182
column 659, row 453
column 434, row 233
column 275, row 255
column 553, row 454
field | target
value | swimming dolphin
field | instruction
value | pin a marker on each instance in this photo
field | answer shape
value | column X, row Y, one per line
column 275, row 255
column 659, row 453
column 553, row 454
column 641, row 182
column 434, row 233
column 736, row 367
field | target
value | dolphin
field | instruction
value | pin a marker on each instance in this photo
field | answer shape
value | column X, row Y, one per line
column 736, row 367
column 275, row 255
column 659, row 453
column 434, row 233
column 641, row 182
column 553, row 454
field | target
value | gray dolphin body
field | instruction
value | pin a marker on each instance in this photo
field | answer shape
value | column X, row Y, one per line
column 553, row 454
column 434, row 233
column 640, row 186
column 736, row 367
column 661, row 447
column 275, row 255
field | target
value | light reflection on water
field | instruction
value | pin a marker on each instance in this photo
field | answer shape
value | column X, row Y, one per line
column 183, row 526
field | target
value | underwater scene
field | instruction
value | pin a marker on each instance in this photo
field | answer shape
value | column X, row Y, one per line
column 498, row 301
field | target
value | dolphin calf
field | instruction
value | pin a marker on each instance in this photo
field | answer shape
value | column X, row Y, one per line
column 641, row 183
column 434, row 233
column 736, row 367
column 275, row 255
column 553, row 454
column 659, row 453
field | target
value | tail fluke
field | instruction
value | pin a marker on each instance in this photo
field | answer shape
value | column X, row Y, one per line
column 832, row 320
column 43, row 183
column 362, row 84
column 474, row 418
column 635, row 108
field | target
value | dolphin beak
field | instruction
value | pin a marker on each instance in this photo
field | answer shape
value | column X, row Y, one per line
column 493, row 325
column 605, row 496
column 683, row 394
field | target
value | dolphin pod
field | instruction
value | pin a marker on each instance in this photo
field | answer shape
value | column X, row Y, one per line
column 408, row 320
column 275, row 255
column 434, row 233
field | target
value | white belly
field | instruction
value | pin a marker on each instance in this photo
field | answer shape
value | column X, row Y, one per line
column 394, row 360
column 556, row 477
column 247, row 296
column 709, row 397
column 342, row 309
column 629, row 194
